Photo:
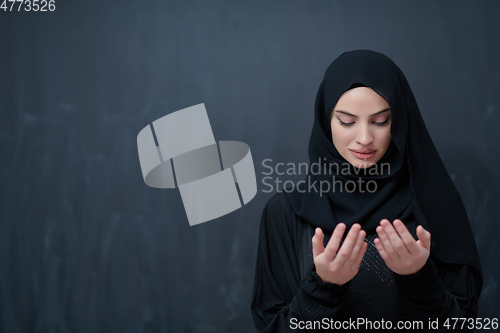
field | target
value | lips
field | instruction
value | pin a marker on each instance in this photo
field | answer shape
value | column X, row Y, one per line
column 363, row 154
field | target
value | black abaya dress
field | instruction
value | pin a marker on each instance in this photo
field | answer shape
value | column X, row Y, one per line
column 288, row 293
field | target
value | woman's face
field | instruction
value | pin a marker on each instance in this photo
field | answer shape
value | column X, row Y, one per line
column 361, row 126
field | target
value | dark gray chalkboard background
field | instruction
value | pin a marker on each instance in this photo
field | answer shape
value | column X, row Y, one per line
column 86, row 246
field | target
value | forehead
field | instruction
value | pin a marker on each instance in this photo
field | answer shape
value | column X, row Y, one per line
column 361, row 99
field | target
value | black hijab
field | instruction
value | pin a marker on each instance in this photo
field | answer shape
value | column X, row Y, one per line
column 415, row 187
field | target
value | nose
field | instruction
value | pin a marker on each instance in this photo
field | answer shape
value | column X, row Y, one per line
column 364, row 136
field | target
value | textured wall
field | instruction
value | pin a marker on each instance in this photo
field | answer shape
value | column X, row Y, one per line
column 86, row 246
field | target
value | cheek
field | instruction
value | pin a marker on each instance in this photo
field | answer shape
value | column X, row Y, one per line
column 385, row 138
column 340, row 136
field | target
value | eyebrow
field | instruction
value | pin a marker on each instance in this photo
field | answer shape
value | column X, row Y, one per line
column 352, row 115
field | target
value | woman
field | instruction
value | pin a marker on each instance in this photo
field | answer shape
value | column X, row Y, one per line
column 409, row 253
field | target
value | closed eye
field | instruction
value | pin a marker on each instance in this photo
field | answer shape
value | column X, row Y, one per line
column 345, row 124
column 382, row 123
column 385, row 122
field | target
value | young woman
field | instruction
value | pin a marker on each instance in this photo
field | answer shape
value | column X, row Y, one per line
column 409, row 252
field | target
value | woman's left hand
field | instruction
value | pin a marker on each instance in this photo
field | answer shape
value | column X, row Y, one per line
column 401, row 253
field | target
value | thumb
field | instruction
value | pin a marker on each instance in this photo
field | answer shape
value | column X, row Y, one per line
column 424, row 237
column 317, row 242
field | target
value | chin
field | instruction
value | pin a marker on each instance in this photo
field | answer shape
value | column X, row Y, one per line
column 359, row 163
column 364, row 165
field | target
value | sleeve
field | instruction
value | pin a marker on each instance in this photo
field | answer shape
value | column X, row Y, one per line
column 281, row 302
column 440, row 291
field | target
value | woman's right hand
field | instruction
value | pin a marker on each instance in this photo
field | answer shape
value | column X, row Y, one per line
column 339, row 267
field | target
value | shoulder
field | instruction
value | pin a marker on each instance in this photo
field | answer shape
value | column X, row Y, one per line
column 279, row 201
column 278, row 206
column 278, row 215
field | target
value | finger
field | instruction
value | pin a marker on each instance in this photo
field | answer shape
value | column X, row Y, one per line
column 381, row 250
column 424, row 237
column 406, row 237
column 348, row 245
column 382, row 235
column 396, row 241
column 334, row 242
column 361, row 254
column 357, row 246
column 317, row 242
